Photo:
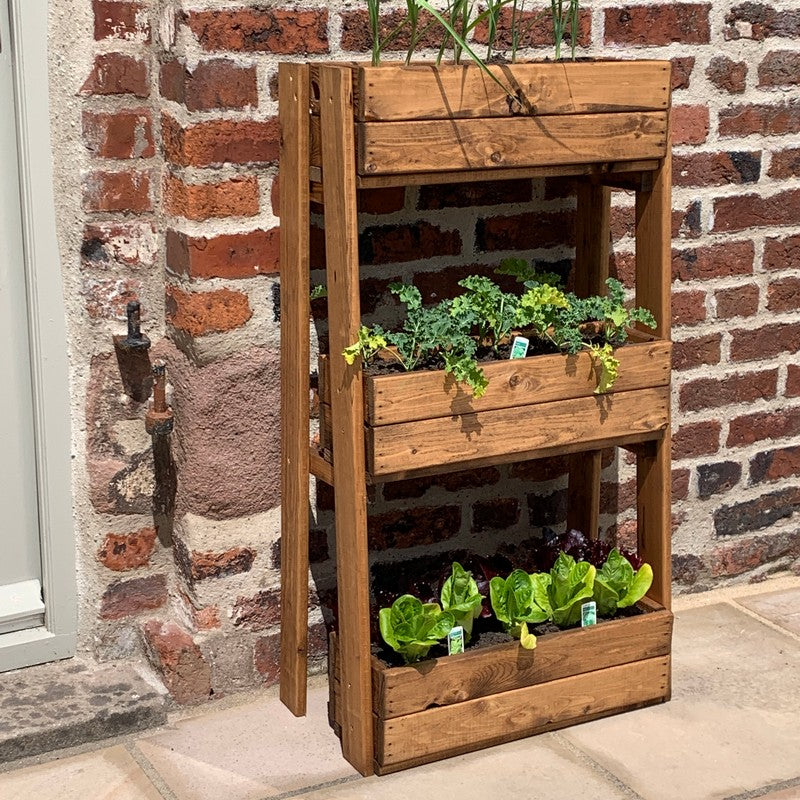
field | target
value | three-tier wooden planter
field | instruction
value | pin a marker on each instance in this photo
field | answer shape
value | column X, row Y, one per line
column 345, row 127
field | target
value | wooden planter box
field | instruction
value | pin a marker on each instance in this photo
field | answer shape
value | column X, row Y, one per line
column 533, row 407
column 450, row 705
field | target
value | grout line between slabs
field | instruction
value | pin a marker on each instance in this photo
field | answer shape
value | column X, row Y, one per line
column 764, row 791
column 764, row 620
column 149, row 770
column 315, row 787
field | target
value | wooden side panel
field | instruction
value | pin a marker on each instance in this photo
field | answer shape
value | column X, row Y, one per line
column 294, row 255
column 442, row 732
column 493, row 670
column 548, row 427
column 420, row 91
column 386, row 148
column 341, row 241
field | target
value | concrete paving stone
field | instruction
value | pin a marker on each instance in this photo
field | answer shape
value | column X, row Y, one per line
column 249, row 752
column 71, row 702
column 541, row 767
column 792, row 793
column 731, row 726
column 109, row 774
column 782, row 608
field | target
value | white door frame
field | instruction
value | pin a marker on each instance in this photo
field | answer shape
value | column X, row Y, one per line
column 48, row 343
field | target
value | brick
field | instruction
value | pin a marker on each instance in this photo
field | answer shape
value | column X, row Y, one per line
column 261, row 30
column 179, row 661
column 756, row 514
column 772, row 465
column 758, row 21
column 785, row 164
column 267, row 658
column 495, row 514
column 211, row 564
column 748, row 344
column 108, row 298
column 413, row 527
column 716, row 169
column 617, row 497
column 217, row 83
column 682, row 72
column 689, row 124
column 465, row 195
column 317, row 548
column 743, row 556
column 763, row 425
column 752, row 210
column 199, row 313
column 382, row 201
column 680, row 484
column 127, row 598
column 536, row 28
column 389, row 244
column 622, row 222
column 229, row 255
column 451, row 482
column 779, row 68
column 119, row 19
column 690, row 353
column 687, row 223
column 688, row 308
column 740, row 388
column 220, row 141
column 738, row 301
column 782, row 253
column 122, row 552
column 259, row 611
column 117, row 191
column 117, row 73
column 717, row 478
column 526, row 231
column 438, row 284
column 766, row 119
column 357, row 31
column 727, row 75
column 121, row 134
column 237, row 197
column 793, row 380
column 696, row 439
column 547, row 510
column 124, row 245
column 658, row 25
column 687, row 569
column 784, row 295
column 714, row 261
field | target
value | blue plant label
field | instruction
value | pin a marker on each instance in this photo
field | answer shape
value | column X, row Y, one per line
column 455, row 640
column 588, row 614
column 519, row 347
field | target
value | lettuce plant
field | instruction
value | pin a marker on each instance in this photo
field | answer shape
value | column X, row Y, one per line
column 617, row 585
column 411, row 628
column 460, row 596
column 571, row 584
column 517, row 600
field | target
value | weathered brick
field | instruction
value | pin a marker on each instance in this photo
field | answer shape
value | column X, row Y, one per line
column 119, row 19
column 763, row 425
column 758, row 21
column 267, row 658
column 658, row 25
column 755, row 514
column 616, row 497
column 119, row 134
column 259, row 611
column 237, row 197
column 779, row 68
column 784, row 295
column 179, row 660
column 622, row 222
column 547, row 510
column 727, row 75
column 688, row 308
column 219, row 564
column 714, row 261
column 107, row 298
column 690, row 353
column 742, row 556
column 123, row 551
column 748, row 344
column 687, row 223
column 128, row 190
column 229, row 255
column 622, row 266
column 772, row 465
column 213, row 83
column 435, row 285
column 526, row 231
column 270, row 30
column 389, row 244
column 793, row 380
column 782, row 253
column 785, row 164
column 463, row 195
column 413, row 527
column 687, row 569
column 689, row 124
column 127, row 245
column 696, row 439
column 317, row 548
column 536, row 29
column 382, row 201
column 682, row 67
column 752, row 210
column 220, row 141
column 716, row 169
column 118, row 73
column 738, row 301
column 680, row 484
column 717, row 478
column 451, row 482
column 495, row 514
column 199, row 313
column 766, row 119
column 357, row 31
column 127, row 598
column 739, row 388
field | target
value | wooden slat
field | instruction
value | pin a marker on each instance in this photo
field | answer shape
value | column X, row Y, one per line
column 548, row 427
column 493, row 670
column 294, row 256
column 341, row 242
column 442, row 732
column 441, row 145
column 422, row 91
column 319, row 466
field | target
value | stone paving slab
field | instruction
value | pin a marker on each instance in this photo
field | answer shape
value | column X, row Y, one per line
column 67, row 703
column 782, row 608
column 731, row 726
column 109, row 774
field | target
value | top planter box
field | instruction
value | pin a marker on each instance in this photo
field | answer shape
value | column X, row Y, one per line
column 423, row 118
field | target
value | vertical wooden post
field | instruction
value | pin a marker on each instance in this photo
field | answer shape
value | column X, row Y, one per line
column 591, row 271
column 347, row 401
column 294, row 255
column 653, row 283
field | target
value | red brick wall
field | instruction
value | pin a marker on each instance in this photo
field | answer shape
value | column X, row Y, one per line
column 181, row 203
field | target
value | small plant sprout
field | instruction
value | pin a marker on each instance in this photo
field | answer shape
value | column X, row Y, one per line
column 370, row 342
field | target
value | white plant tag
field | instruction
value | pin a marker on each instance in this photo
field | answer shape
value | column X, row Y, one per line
column 588, row 614
column 519, row 347
column 455, row 640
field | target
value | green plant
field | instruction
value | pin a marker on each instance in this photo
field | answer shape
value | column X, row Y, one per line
column 618, row 585
column 486, row 308
column 516, row 602
column 571, row 584
column 411, row 627
column 460, row 596
column 561, row 19
column 370, row 342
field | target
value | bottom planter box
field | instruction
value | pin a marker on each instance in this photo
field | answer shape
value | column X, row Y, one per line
column 446, row 706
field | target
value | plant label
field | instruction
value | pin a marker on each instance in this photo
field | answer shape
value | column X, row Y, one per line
column 455, row 640
column 519, row 347
column 588, row 614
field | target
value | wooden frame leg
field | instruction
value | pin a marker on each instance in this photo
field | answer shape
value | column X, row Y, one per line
column 294, row 212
